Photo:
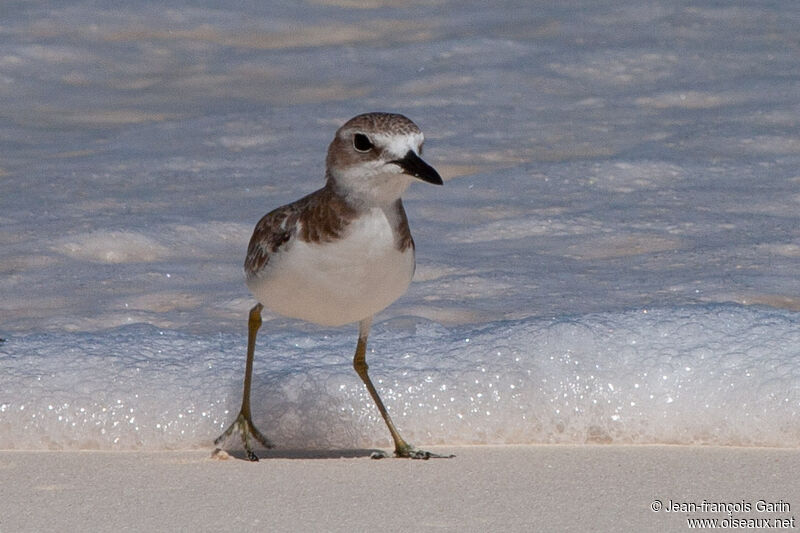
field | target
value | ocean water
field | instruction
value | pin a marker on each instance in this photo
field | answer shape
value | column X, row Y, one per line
column 614, row 256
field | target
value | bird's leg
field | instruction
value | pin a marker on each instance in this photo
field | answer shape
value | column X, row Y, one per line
column 244, row 422
column 401, row 447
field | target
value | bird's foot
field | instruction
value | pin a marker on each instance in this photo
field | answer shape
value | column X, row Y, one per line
column 410, row 452
column 244, row 425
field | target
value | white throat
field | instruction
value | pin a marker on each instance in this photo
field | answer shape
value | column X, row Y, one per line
column 371, row 186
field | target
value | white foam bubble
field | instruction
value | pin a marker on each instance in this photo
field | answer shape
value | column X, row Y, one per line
column 619, row 68
column 687, row 99
column 105, row 246
column 724, row 375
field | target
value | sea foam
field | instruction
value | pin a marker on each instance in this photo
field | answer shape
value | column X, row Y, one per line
column 720, row 374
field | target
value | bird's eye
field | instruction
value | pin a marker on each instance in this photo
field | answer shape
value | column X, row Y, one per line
column 362, row 143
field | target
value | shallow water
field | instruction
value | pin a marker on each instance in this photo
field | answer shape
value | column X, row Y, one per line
column 622, row 180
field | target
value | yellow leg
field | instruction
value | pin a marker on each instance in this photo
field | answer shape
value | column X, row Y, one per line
column 244, row 422
column 401, row 447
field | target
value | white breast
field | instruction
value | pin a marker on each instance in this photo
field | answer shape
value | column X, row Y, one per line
column 339, row 282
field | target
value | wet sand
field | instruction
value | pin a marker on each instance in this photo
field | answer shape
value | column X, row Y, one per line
column 484, row 488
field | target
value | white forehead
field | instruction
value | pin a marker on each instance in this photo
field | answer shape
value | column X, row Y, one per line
column 398, row 144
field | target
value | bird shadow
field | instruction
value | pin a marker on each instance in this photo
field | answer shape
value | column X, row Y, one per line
column 290, row 453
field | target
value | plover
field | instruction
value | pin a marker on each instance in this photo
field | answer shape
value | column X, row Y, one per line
column 343, row 253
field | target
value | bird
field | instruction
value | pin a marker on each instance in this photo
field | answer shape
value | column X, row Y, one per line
column 341, row 254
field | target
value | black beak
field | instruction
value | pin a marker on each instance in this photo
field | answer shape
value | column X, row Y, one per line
column 413, row 165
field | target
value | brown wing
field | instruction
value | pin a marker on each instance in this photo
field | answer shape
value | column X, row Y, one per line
column 319, row 217
column 274, row 230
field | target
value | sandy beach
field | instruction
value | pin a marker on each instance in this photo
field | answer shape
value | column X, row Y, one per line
column 485, row 488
